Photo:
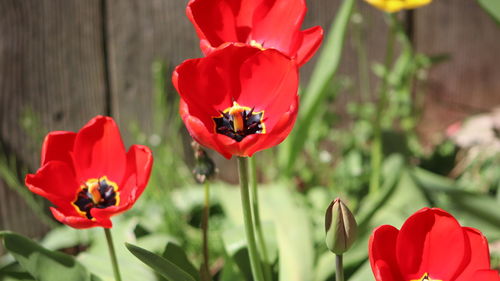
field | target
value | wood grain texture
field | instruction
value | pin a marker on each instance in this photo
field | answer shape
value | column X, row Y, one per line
column 138, row 34
column 51, row 64
column 68, row 60
column 469, row 82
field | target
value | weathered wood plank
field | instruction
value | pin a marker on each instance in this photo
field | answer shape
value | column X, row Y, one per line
column 139, row 33
column 51, row 64
column 468, row 83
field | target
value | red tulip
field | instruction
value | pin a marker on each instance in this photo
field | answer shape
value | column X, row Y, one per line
column 431, row 246
column 239, row 99
column 89, row 176
column 262, row 23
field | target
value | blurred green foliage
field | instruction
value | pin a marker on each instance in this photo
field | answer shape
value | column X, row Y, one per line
column 327, row 155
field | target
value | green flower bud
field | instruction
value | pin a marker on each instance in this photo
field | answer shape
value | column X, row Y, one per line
column 340, row 226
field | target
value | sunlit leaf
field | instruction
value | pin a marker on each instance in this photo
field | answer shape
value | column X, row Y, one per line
column 160, row 265
column 313, row 96
column 43, row 264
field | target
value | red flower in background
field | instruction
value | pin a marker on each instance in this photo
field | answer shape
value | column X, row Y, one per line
column 262, row 23
column 239, row 99
column 430, row 246
column 89, row 176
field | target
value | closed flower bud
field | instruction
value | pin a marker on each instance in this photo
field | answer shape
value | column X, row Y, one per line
column 340, row 226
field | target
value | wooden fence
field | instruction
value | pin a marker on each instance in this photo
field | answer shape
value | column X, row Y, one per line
column 69, row 60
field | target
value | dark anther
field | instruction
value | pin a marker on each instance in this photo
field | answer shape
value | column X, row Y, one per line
column 104, row 196
column 252, row 124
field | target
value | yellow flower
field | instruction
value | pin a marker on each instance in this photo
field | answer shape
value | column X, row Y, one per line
column 392, row 6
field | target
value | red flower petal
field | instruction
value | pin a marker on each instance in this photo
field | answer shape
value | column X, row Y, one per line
column 198, row 130
column 58, row 146
column 279, row 132
column 78, row 222
column 431, row 241
column 99, row 150
column 264, row 80
column 220, row 21
column 139, row 164
column 209, row 84
column 269, row 82
column 382, row 252
column 276, row 24
column 205, row 47
column 55, row 181
column 311, row 40
column 486, row 275
column 480, row 255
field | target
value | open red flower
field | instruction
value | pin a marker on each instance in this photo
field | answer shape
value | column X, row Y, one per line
column 431, row 246
column 239, row 99
column 88, row 175
column 262, row 23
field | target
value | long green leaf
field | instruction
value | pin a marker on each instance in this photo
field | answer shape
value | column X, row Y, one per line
column 159, row 264
column 176, row 255
column 43, row 264
column 473, row 209
column 326, row 67
column 492, row 7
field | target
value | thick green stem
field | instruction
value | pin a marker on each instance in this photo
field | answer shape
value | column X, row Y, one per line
column 376, row 150
column 112, row 254
column 247, row 217
column 266, row 263
column 204, row 228
column 339, row 268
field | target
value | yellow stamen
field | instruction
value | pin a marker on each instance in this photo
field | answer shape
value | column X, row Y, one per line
column 94, row 191
column 235, row 111
column 256, row 44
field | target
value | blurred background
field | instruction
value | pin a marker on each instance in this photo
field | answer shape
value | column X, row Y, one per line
column 64, row 61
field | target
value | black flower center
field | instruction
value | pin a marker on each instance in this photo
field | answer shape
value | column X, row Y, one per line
column 96, row 193
column 237, row 122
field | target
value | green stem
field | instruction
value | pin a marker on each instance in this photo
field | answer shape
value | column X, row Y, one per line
column 204, row 228
column 112, row 254
column 266, row 263
column 339, row 268
column 376, row 150
column 247, row 217
column 360, row 47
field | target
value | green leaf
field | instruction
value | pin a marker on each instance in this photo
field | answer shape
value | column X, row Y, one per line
column 13, row 271
column 399, row 198
column 65, row 237
column 492, row 7
column 326, row 67
column 94, row 278
column 42, row 264
column 391, row 172
column 472, row 209
column 159, row 264
column 176, row 255
column 291, row 221
column 96, row 257
column 230, row 271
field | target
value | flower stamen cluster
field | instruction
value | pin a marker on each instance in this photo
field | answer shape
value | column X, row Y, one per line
column 96, row 193
column 238, row 122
